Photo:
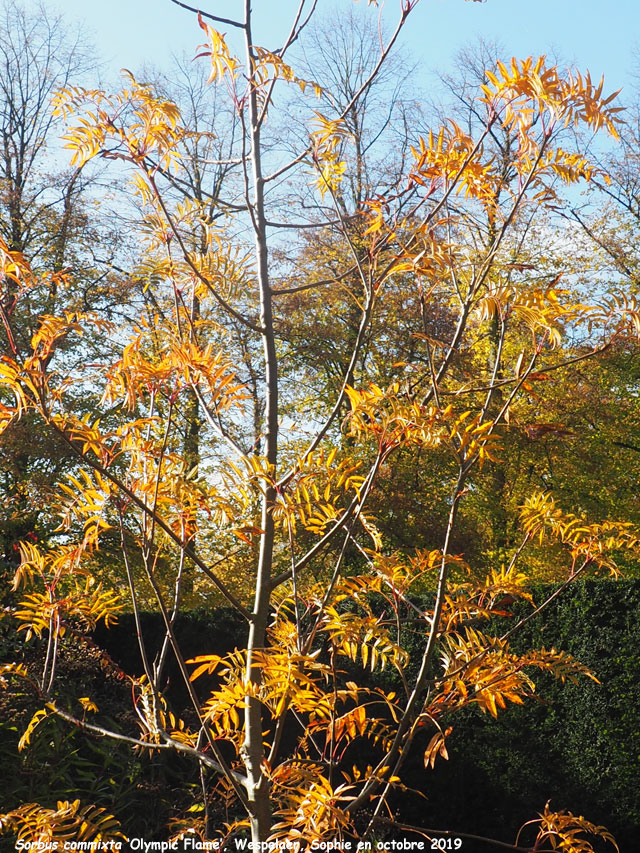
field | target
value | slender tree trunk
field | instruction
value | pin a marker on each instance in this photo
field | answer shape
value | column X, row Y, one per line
column 497, row 480
column 253, row 752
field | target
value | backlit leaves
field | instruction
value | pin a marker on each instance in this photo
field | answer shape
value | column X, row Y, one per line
column 269, row 66
column 560, row 664
column 480, row 669
column 437, row 747
column 527, row 88
column 132, row 125
column 222, row 62
column 38, row 718
column 327, row 140
column 363, row 638
column 84, row 498
column 545, row 311
column 313, row 813
column 487, row 674
column 317, row 492
column 567, row 832
column 447, row 239
column 68, row 822
column 63, row 591
column 14, row 266
column 587, row 543
column 86, row 603
column 449, row 159
column 180, row 364
column 225, row 704
column 394, row 419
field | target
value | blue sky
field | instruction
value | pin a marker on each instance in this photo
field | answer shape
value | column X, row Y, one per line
column 602, row 37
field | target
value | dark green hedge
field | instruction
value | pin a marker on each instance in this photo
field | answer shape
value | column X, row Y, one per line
column 578, row 744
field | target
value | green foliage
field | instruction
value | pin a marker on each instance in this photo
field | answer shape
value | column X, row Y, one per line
column 579, row 743
column 61, row 763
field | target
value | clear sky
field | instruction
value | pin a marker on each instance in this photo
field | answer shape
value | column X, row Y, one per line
column 603, row 37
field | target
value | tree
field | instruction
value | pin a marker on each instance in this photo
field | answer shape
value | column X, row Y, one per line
column 285, row 531
column 591, row 461
column 319, row 324
column 38, row 56
column 42, row 216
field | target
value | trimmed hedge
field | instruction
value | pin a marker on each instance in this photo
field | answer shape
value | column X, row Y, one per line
column 578, row 744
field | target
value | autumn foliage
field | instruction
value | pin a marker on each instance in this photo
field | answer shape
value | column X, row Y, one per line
column 277, row 510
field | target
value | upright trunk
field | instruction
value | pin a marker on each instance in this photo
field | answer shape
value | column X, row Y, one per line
column 253, row 751
column 497, row 482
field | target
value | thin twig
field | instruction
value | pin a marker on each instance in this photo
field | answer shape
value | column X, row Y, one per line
column 208, row 15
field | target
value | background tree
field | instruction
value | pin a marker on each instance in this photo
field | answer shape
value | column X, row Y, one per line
column 561, row 444
column 42, row 217
column 39, row 54
column 48, row 215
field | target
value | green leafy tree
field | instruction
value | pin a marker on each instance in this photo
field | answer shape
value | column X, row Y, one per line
column 46, row 216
